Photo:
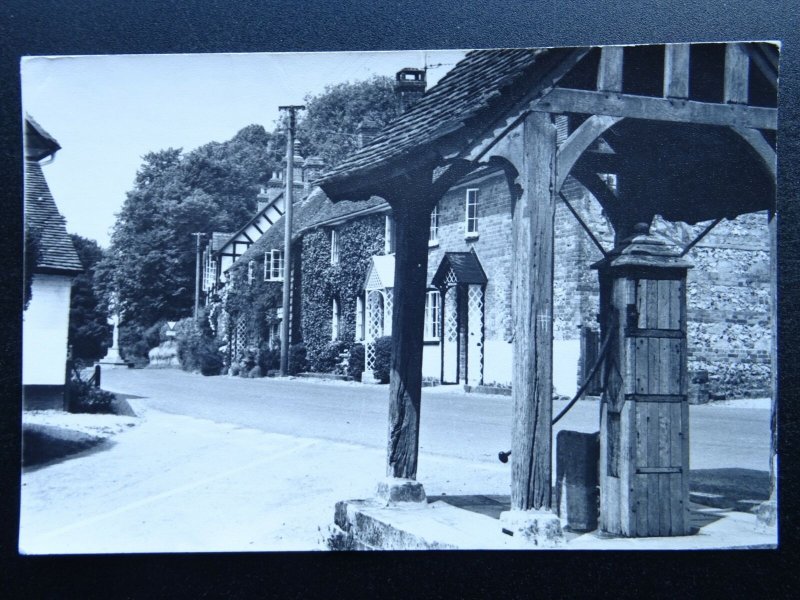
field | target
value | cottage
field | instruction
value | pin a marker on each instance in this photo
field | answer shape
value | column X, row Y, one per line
column 46, row 319
column 644, row 130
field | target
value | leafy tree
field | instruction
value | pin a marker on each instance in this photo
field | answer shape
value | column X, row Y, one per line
column 328, row 126
column 89, row 332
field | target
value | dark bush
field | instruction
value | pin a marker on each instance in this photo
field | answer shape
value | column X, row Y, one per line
column 297, row 358
column 383, row 358
column 197, row 349
column 133, row 346
column 269, row 359
column 356, row 365
column 86, row 398
column 328, row 359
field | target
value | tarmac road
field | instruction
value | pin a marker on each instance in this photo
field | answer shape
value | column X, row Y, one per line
column 454, row 424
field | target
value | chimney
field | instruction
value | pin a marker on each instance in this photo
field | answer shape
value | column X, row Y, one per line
column 274, row 187
column 262, row 200
column 409, row 86
column 366, row 131
column 312, row 169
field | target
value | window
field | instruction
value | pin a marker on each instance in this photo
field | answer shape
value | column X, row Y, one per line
column 388, row 235
column 335, row 317
column 273, row 265
column 433, row 240
column 471, row 224
column 209, row 273
column 334, row 247
column 275, row 335
column 251, row 272
column 360, row 319
column 432, row 315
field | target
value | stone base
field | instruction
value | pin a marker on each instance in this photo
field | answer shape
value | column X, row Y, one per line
column 368, row 378
column 112, row 359
column 393, row 491
column 542, row 528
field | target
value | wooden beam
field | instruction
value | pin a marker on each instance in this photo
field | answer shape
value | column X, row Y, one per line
column 577, row 143
column 737, row 67
column 658, row 109
column 773, row 287
column 676, row 71
column 412, row 216
column 609, row 74
column 761, row 59
column 762, row 148
column 532, row 375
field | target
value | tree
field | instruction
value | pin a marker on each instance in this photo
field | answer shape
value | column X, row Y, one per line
column 329, row 125
column 89, row 332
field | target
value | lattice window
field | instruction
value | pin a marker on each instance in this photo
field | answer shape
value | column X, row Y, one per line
column 209, row 273
column 239, row 337
column 374, row 327
column 450, row 315
column 475, row 326
column 450, row 279
column 387, row 312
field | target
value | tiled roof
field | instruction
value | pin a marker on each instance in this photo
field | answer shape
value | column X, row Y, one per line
column 56, row 252
column 481, row 83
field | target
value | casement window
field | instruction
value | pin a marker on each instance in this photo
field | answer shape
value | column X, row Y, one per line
column 334, row 247
column 335, row 319
column 433, row 238
column 251, row 272
column 209, row 274
column 433, row 315
column 471, row 221
column 360, row 320
column 273, row 265
column 275, row 335
column 388, row 235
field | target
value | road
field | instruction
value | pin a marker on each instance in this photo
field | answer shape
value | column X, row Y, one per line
column 472, row 427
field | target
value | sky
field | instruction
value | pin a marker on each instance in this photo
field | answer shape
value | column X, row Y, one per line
column 108, row 111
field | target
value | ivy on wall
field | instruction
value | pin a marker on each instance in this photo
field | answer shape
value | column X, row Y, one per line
column 358, row 241
column 316, row 283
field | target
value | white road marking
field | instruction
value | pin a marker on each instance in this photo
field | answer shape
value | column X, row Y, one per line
column 172, row 492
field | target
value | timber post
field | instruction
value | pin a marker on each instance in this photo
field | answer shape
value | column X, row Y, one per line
column 412, row 220
column 532, row 377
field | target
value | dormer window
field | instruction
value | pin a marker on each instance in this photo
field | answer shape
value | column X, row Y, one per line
column 334, row 247
column 471, row 221
column 273, row 265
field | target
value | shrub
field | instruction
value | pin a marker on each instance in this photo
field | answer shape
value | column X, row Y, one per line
column 86, row 398
column 297, row 358
column 132, row 345
column 356, row 365
column 328, row 359
column 255, row 372
column 269, row 359
column 198, row 350
column 383, row 358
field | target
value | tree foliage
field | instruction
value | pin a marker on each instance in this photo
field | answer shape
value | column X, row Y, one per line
column 331, row 120
column 89, row 332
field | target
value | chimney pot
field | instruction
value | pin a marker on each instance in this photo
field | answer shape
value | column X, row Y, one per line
column 409, row 86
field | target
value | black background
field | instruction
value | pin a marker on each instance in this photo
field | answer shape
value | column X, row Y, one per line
column 48, row 27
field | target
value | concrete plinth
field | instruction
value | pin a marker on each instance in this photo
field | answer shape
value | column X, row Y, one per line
column 112, row 359
column 539, row 527
column 393, row 491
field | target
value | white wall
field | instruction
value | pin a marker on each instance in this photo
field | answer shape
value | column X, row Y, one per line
column 432, row 361
column 44, row 331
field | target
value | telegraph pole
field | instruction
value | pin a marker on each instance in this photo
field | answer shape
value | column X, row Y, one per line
column 197, row 275
column 287, row 236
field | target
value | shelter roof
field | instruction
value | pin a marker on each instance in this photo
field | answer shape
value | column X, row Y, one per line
column 471, row 88
column 465, row 268
column 380, row 274
column 38, row 143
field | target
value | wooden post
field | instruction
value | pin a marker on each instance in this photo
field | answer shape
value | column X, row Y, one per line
column 412, row 216
column 737, row 66
column 773, row 281
column 609, row 77
column 532, row 379
column 676, row 71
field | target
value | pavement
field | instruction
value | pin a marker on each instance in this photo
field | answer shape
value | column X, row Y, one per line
column 168, row 482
